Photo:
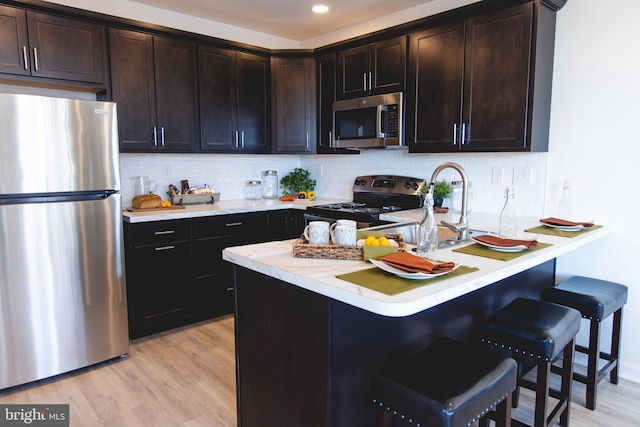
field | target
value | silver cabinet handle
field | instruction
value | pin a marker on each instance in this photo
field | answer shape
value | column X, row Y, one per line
column 463, row 134
column 164, row 248
column 229, row 289
column 307, row 140
column 158, row 233
column 236, row 139
column 162, row 135
column 330, row 138
column 364, row 82
column 35, row 58
column 455, row 134
column 25, row 57
column 370, row 81
column 241, row 139
column 155, row 136
column 233, row 224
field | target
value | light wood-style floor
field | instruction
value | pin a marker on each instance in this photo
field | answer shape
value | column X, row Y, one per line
column 186, row 377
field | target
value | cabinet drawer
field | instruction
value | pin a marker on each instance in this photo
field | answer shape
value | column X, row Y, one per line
column 231, row 225
column 154, row 233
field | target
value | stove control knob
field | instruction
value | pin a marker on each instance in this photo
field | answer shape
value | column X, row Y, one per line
column 360, row 182
column 407, row 185
column 415, row 185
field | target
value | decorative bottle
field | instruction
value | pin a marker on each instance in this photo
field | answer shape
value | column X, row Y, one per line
column 508, row 219
column 564, row 209
column 427, row 233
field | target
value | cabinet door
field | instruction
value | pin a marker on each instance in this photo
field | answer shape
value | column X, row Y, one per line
column 498, row 53
column 253, row 96
column 66, row 49
column 326, row 95
column 353, row 72
column 176, row 88
column 293, row 105
column 14, row 43
column 434, row 94
column 218, row 112
column 388, row 66
column 160, row 287
column 133, row 86
column 286, row 224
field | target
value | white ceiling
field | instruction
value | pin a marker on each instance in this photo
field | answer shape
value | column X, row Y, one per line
column 290, row 19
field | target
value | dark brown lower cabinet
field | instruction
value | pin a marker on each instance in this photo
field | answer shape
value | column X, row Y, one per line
column 175, row 271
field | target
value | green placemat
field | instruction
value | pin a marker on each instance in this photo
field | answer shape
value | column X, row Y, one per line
column 387, row 283
column 541, row 229
column 479, row 250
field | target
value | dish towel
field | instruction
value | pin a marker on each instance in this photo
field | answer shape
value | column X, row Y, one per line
column 564, row 223
column 499, row 241
column 415, row 264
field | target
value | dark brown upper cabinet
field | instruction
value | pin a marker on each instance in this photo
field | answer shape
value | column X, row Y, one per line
column 234, row 96
column 154, row 82
column 482, row 84
column 41, row 45
column 293, row 101
column 372, row 69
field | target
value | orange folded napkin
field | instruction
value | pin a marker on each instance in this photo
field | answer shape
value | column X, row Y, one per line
column 499, row 241
column 415, row 264
column 564, row 223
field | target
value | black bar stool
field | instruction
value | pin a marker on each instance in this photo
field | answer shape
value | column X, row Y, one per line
column 596, row 300
column 449, row 384
column 537, row 333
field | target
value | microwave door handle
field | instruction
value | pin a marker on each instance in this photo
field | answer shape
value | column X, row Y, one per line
column 382, row 121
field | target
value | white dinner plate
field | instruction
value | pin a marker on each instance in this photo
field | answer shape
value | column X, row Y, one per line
column 565, row 227
column 518, row 248
column 406, row 275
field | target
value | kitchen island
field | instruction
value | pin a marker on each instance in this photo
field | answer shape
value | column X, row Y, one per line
column 307, row 342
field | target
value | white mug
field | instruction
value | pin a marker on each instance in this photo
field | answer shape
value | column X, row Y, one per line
column 343, row 235
column 317, row 232
column 344, row 222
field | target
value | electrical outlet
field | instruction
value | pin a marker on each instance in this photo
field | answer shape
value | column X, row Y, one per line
column 496, row 175
column 522, row 176
column 167, row 171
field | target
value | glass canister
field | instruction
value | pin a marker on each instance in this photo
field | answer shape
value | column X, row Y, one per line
column 270, row 184
column 456, row 196
column 253, row 190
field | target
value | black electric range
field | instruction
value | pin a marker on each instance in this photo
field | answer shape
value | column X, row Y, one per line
column 373, row 195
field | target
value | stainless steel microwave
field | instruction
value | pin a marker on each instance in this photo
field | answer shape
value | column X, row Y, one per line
column 370, row 122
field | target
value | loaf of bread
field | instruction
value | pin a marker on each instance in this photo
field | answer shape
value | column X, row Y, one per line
column 146, row 201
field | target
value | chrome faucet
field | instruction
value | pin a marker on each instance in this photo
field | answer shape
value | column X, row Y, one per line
column 462, row 227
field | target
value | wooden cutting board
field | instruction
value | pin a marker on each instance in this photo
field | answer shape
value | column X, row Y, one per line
column 154, row 209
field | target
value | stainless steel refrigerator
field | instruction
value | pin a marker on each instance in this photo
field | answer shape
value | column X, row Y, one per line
column 62, row 283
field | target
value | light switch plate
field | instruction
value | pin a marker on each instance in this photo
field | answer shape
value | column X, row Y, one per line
column 496, row 175
column 522, row 176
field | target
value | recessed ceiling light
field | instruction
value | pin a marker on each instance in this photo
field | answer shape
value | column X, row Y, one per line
column 320, row 8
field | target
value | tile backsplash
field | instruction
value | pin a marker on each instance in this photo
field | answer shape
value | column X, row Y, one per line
column 228, row 173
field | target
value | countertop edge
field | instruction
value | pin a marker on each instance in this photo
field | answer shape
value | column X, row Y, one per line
column 225, row 207
column 307, row 274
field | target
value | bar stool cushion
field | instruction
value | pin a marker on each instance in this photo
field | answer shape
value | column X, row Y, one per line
column 532, row 328
column 448, row 384
column 594, row 298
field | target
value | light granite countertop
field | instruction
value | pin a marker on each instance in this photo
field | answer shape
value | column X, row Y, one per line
column 275, row 259
column 222, row 208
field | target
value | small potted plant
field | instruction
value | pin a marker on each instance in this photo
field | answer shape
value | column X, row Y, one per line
column 297, row 183
column 441, row 191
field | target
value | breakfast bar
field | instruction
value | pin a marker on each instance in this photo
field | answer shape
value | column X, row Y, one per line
column 307, row 342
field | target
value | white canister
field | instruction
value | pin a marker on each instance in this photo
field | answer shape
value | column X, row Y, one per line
column 270, row 184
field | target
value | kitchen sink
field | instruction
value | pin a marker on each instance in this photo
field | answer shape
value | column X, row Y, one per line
column 446, row 237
